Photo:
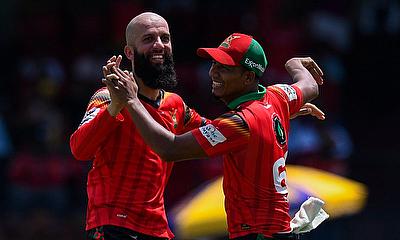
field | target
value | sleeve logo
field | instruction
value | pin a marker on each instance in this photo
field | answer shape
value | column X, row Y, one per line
column 212, row 134
column 89, row 115
column 289, row 90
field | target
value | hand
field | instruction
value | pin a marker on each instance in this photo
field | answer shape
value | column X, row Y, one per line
column 112, row 63
column 122, row 87
column 310, row 65
column 309, row 109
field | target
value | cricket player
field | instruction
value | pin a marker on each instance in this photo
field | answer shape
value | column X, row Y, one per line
column 126, row 183
column 252, row 136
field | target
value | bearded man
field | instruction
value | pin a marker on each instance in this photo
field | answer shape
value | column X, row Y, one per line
column 126, row 183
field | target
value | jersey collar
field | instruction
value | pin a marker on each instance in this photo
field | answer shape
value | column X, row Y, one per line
column 154, row 103
column 247, row 97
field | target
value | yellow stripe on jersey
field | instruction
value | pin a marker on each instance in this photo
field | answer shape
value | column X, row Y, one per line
column 234, row 122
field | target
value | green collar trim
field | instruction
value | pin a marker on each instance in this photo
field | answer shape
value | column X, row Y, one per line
column 250, row 96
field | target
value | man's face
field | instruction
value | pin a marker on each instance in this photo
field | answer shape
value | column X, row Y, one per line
column 156, row 76
column 153, row 60
column 153, row 40
column 227, row 81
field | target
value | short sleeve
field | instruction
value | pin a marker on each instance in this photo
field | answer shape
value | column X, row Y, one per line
column 291, row 94
column 225, row 134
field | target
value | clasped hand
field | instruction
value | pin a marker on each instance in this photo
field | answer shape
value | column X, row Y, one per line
column 121, row 84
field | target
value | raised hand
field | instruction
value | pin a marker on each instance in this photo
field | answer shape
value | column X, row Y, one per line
column 309, row 109
column 112, row 63
column 310, row 65
column 122, row 86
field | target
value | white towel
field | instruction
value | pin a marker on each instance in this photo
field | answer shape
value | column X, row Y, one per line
column 309, row 216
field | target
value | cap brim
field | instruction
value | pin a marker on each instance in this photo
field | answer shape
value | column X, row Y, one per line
column 216, row 54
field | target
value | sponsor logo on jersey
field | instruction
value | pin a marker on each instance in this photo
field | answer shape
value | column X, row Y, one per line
column 212, row 134
column 279, row 130
column 289, row 90
column 89, row 115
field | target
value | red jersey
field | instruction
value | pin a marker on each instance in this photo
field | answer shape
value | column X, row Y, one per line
column 253, row 141
column 126, row 184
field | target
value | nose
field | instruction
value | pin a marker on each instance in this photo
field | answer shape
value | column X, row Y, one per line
column 158, row 44
column 212, row 72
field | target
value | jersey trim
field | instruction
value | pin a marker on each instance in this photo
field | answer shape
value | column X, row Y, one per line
column 250, row 96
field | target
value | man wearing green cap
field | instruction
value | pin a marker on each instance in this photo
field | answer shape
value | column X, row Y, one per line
column 252, row 137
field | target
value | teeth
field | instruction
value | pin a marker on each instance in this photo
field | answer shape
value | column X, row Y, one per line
column 216, row 84
column 157, row 56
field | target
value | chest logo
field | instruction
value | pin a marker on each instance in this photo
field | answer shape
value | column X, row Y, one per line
column 279, row 130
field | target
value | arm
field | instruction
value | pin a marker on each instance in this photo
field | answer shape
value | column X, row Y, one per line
column 95, row 128
column 101, row 112
column 307, row 76
column 169, row 146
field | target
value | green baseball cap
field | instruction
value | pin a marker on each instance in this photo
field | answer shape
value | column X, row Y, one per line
column 238, row 49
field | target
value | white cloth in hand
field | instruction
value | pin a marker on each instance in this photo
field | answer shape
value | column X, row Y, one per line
column 309, row 216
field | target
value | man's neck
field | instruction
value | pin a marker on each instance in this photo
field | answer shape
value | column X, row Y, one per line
column 146, row 91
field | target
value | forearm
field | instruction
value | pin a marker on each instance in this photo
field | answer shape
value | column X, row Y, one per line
column 303, row 79
column 86, row 140
column 156, row 136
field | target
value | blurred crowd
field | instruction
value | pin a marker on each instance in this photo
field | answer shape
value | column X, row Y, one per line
column 52, row 58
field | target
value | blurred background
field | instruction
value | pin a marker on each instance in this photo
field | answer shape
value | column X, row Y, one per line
column 52, row 53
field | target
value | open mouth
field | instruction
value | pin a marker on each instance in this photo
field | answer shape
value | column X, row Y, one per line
column 216, row 84
column 157, row 58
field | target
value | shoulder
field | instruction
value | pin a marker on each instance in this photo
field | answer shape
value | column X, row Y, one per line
column 284, row 90
column 100, row 98
column 101, row 93
column 172, row 96
column 231, row 119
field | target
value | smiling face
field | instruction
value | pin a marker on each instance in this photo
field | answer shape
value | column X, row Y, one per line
column 149, row 34
column 228, row 82
column 149, row 47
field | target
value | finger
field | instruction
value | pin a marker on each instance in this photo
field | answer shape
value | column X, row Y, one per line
column 118, row 72
column 124, row 75
column 105, row 71
column 317, row 77
column 110, row 65
column 304, row 111
column 318, row 69
column 320, row 117
column 118, row 61
column 318, row 113
column 107, row 82
column 307, row 62
column 112, row 76
column 111, row 59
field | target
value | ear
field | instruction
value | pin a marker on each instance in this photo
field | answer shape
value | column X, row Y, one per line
column 250, row 77
column 128, row 52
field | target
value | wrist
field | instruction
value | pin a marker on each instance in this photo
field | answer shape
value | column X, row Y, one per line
column 133, row 101
column 113, row 109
